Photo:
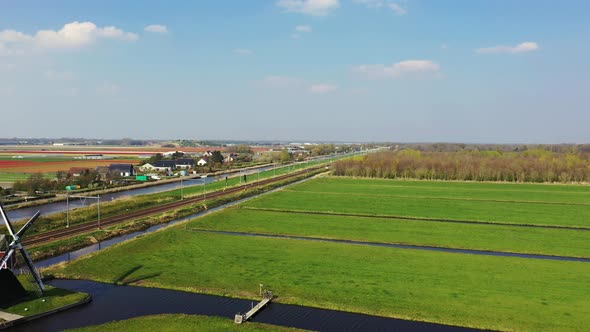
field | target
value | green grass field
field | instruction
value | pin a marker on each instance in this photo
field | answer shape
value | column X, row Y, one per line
column 519, row 192
column 468, row 290
column 314, row 197
column 502, row 293
column 175, row 323
column 559, row 242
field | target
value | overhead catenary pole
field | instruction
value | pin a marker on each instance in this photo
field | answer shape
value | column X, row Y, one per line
column 98, row 211
column 67, row 210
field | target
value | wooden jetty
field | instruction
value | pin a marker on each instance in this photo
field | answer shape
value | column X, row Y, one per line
column 267, row 297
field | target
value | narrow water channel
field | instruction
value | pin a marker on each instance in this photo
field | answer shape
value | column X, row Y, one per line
column 112, row 302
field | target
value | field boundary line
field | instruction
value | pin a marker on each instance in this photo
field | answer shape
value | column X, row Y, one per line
column 402, row 246
column 490, row 223
column 440, row 198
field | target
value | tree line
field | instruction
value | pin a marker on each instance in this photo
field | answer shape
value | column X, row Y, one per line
column 537, row 165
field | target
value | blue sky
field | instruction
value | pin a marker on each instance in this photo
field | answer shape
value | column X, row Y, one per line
column 340, row 70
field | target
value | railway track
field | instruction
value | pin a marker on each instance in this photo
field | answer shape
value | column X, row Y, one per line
column 53, row 235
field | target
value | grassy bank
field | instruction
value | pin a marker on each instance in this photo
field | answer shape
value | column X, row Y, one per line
column 53, row 298
column 174, row 323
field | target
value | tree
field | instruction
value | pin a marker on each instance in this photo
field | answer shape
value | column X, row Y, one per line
column 285, row 156
column 216, row 157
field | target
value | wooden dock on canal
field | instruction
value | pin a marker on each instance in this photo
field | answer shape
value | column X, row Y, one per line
column 239, row 319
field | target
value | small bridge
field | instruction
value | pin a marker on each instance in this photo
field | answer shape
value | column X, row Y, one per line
column 266, row 298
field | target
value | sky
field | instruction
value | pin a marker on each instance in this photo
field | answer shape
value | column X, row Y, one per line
column 473, row 71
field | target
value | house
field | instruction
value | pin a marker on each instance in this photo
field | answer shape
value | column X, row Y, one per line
column 147, row 167
column 78, row 171
column 185, row 163
column 202, row 162
column 164, row 165
column 229, row 157
column 124, row 170
column 208, row 154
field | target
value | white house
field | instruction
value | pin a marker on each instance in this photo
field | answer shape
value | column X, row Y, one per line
column 147, row 167
column 202, row 162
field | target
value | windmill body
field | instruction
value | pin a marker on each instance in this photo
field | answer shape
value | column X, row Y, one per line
column 14, row 245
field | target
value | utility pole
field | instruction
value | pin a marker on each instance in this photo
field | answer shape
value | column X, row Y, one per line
column 98, row 211
column 67, row 210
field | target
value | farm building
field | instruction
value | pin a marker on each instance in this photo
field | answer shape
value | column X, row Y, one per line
column 122, row 169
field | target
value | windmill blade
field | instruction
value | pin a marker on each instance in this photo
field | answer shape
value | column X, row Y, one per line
column 32, row 268
column 6, row 221
column 7, row 256
column 28, row 224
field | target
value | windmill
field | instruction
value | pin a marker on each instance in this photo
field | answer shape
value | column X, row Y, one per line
column 15, row 245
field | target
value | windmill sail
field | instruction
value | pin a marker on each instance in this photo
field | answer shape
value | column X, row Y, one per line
column 15, row 245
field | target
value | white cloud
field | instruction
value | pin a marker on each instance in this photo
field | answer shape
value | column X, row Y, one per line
column 378, row 4
column 70, row 36
column 303, row 28
column 156, row 28
column 116, row 33
column 520, row 48
column 243, row 51
column 322, row 88
column 295, row 36
column 444, row 46
column 54, row 75
column 397, row 9
column 12, row 36
column 399, row 69
column 309, row 7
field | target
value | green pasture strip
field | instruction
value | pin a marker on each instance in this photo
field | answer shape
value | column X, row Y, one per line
column 478, row 211
column 53, row 298
column 459, row 289
column 478, row 185
column 556, row 242
column 181, row 322
column 574, row 194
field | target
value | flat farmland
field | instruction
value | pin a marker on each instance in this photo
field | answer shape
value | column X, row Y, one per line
column 466, row 290
column 490, row 292
column 446, row 203
column 52, row 165
column 556, row 242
